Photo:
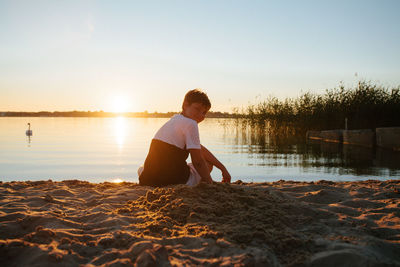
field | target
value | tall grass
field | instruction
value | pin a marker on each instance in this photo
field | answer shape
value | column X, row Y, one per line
column 365, row 106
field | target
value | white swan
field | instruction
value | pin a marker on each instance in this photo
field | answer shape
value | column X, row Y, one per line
column 29, row 131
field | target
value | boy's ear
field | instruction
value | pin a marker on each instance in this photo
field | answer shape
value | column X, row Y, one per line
column 185, row 105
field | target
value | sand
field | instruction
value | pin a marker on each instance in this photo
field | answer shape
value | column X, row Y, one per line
column 285, row 223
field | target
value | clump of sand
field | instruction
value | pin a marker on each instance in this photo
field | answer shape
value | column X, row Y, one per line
column 234, row 214
column 74, row 223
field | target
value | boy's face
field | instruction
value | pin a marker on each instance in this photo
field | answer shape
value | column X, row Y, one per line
column 195, row 111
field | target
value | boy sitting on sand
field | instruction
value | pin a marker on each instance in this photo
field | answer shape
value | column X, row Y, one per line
column 166, row 161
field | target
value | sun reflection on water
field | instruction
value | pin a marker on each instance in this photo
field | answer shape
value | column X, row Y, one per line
column 117, row 181
column 120, row 131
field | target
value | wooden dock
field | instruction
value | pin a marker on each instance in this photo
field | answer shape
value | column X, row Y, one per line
column 388, row 138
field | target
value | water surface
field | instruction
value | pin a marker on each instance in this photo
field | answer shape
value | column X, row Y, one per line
column 105, row 149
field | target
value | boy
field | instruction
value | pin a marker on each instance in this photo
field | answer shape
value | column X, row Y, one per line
column 166, row 161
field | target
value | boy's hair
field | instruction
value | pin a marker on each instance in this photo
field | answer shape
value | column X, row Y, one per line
column 197, row 96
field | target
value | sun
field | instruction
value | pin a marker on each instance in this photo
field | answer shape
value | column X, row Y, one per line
column 119, row 104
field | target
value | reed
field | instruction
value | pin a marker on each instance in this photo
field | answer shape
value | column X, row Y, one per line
column 365, row 106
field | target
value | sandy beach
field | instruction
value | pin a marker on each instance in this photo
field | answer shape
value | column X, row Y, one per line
column 285, row 223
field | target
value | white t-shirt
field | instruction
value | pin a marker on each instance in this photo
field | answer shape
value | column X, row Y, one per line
column 181, row 132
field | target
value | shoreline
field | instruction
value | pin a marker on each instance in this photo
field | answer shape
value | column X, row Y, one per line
column 283, row 223
column 102, row 114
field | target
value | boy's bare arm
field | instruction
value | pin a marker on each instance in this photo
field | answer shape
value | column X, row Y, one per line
column 200, row 164
column 209, row 157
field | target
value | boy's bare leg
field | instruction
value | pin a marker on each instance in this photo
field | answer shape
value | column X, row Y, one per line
column 211, row 159
column 210, row 166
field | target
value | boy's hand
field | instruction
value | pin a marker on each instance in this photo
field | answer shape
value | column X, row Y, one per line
column 226, row 177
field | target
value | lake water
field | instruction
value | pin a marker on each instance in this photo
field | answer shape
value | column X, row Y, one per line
column 105, row 149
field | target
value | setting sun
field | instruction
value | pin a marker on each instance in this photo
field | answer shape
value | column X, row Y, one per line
column 120, row 104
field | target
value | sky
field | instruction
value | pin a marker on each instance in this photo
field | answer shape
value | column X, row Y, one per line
column 145, row 55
